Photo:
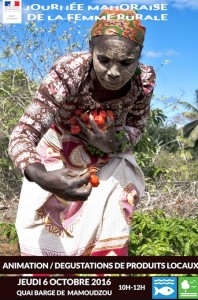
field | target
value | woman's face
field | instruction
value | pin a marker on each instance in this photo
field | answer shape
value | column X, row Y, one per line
column 114, row 60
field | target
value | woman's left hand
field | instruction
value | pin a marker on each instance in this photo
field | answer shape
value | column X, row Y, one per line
column 100, row 139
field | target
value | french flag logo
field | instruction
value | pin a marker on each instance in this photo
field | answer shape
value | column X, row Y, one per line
column 7, row 3
column 12, row 3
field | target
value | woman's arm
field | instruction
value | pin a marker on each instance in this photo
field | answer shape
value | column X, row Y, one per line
column 36, row 121
column 25, row 137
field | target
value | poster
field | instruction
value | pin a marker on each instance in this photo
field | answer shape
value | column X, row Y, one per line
column 162, row 261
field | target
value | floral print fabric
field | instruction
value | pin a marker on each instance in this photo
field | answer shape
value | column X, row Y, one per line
column 67, row 87
column 121, row 23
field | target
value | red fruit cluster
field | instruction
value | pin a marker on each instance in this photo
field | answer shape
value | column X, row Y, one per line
column 99, row 116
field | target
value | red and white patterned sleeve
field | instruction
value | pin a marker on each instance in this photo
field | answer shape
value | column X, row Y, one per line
column 36, row 120
column 137, row 118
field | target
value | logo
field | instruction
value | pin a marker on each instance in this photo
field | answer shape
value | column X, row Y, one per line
column 12, row 11
column 187, row 287
column 164, row 287
column 12, row 5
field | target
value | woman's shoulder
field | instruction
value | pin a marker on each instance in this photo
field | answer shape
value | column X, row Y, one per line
column 73, row 69
column 72, row 56
column 147, row 73
column 72, row 62
column 145, row 81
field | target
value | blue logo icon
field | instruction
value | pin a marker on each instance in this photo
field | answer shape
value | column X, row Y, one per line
column 164, row 287
column 7, row 3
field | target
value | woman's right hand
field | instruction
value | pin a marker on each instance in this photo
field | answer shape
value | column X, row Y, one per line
column 64, row 182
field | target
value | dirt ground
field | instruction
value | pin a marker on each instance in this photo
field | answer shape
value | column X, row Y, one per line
column 7, row 249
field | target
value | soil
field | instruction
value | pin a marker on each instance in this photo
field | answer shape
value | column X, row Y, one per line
column 7, row 249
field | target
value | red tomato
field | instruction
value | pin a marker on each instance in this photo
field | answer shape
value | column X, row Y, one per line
column 75, row 129
column 100, row 121
column 94, row 180
column 93, row 113
column 84, row 117
column 103, row 114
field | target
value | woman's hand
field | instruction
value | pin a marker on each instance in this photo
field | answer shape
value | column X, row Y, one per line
column 64, row 182
column 100, row 139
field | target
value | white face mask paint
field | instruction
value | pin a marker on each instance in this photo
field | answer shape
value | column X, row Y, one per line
column 114, row 62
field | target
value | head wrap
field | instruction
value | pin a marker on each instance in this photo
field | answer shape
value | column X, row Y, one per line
column 121, row 23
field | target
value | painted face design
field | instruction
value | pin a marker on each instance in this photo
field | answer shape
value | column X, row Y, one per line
column 114, row 62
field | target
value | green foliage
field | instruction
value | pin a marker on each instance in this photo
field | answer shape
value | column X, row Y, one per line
column 179, row 166
column 155, row 234
column 95, row 151
column 165, row 137
column 193, row 113
column 157, row 116
column 16, row 91
column 189, row 132
column 8, row 231
column 147, row 147
column 161, row 154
